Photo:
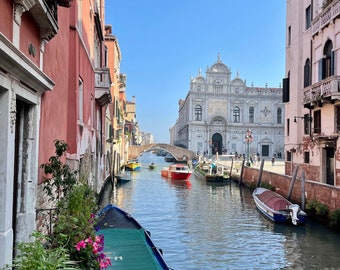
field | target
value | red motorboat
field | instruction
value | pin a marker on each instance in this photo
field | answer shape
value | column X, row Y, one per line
column 177, row 171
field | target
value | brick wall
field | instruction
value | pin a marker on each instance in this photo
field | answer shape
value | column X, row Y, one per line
column 323, row 193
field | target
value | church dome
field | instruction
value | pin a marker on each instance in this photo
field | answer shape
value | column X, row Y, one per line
column 219, row 67
column 199, row 78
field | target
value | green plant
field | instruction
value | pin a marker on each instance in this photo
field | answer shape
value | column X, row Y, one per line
column 38, row 255
column 75, row 223
column 316, row 209
column 60, row 178
column 73, row 226
column 334, row 220
column 268, row 186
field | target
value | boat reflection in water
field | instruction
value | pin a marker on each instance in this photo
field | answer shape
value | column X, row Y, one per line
column 178, row 183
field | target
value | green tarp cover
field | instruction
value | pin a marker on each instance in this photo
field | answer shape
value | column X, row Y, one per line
column 128, row 249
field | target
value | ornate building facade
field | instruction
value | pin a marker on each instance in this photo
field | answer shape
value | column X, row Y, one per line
column 311, row 90
column 223, row 115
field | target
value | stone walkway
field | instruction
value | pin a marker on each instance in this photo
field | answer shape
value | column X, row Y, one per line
column 277, row 167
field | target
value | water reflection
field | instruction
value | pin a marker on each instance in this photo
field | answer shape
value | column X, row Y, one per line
column 217, row 226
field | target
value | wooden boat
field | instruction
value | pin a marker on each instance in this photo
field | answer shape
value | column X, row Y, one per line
column 177, row 171
column 127, row 243
column 132, row 165
column 216, row 178
column 205, row 172
column 123, row 177
column 169, row 158
column 277, row 208
column 152, row 166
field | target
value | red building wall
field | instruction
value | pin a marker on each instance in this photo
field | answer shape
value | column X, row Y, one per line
column 54, row 104
column 30, row 38
column 6, row 15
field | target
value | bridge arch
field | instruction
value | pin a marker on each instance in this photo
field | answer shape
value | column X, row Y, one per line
column 179, row 153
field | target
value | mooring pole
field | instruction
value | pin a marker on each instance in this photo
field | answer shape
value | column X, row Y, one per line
column 292, row 183
column 260, row 174
column 241, row 175
column 231, row 167
column 303, row 198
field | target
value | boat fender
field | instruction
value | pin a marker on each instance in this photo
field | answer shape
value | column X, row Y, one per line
column 294, row 210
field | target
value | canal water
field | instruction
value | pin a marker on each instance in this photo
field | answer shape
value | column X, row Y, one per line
column 216, row 226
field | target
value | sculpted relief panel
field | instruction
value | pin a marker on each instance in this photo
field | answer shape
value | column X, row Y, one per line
column 217, row 107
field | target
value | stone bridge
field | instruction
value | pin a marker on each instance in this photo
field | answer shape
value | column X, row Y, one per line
column 178, row 153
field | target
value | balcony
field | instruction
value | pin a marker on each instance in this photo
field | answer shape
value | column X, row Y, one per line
column 322, row 92
column 44, row 13
column 331, row 12
column 103, row 86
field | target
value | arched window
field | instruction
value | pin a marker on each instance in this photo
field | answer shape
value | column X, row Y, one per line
column 307, row 73
column 236, row 115
column 326, row 64
column 251, row 115
column 198, row 113
column 279, row 116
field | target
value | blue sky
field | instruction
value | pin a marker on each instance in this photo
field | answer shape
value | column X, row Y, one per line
column 164, row 43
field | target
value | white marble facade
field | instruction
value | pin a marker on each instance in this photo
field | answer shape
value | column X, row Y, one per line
column 218, row 111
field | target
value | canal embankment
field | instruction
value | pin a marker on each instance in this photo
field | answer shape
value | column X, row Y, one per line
column 274, row 175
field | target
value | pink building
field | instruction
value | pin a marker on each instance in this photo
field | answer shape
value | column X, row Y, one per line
column 54, row 84
column 311, row 90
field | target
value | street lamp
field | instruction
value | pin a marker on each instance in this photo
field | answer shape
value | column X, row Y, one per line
column 248, row 140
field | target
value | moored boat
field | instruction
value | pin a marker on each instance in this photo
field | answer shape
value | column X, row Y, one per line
column 216, row 178
column 177, row 171
column 132, row 165
column 127, row 243
column 123, row 177
column 277, row 208
column 152, row 166
column 205, row 171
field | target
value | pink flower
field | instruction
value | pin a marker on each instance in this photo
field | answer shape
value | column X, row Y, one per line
column 95, row 248
column 80, row 245
column 89, row 240
column 104, row 263
column 100, row 239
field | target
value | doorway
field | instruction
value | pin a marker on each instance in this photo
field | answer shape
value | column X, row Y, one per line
column 265, row 150
column 330, row 166
column 216, row 145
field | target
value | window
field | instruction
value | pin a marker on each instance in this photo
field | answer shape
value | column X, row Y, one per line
column 317, row 122
column 308, row 17
column 306, row 124
column 288, row 123
column 306, row 157
column 218, row 86
column 337, row 115
column 326, row 64
column 285, row 89
column 289, row 156
column 289, row 38
column 307, row 74
column 80, row 100
column 279, row 116
column 198, row 113
column 251, row 115
column 236, row 115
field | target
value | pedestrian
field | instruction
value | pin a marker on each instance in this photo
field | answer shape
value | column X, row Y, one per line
column 273, row 161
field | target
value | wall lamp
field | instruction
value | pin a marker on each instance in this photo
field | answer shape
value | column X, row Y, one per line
column 306, row 117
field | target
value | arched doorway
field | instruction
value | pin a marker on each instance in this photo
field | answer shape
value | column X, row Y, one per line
column 216, row 145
